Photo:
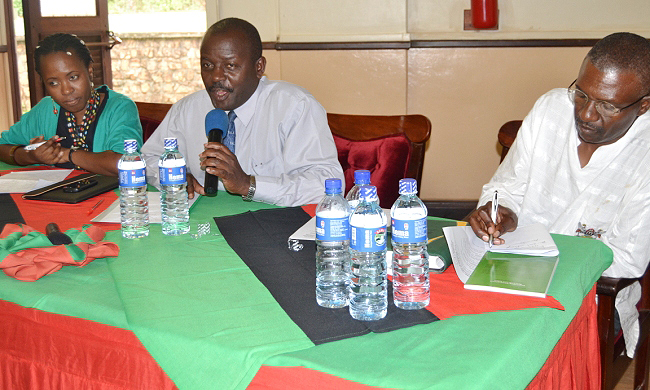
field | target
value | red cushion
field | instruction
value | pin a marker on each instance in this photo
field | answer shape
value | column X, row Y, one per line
column 386, row 158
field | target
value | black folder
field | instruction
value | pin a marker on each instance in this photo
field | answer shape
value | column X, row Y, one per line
column 56, row 192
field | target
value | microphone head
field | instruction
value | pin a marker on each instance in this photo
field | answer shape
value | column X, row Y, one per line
column 216, row 119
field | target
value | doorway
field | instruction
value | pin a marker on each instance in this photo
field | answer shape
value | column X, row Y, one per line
column 158, row 60
column 88, row 19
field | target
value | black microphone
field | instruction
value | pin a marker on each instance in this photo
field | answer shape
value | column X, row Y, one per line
column 216, row 125
column 55, row 235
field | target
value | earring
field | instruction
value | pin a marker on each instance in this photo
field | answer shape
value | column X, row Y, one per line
column 55, row 111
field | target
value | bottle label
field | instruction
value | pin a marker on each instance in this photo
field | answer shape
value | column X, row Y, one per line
column 409, row 230
column 172, row 176
column 132, row 177
column 367, row 239
column 332, row 229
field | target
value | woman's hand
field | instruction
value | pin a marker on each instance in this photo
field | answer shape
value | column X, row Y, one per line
column 50, row 152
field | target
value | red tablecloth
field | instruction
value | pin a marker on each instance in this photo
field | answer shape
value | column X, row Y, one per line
column 38, row 213
column 45, row 350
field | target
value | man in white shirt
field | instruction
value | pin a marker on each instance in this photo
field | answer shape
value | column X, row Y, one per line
column 281, row 150
column 579, row 165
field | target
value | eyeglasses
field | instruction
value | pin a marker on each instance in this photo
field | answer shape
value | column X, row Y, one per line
column 580, row 99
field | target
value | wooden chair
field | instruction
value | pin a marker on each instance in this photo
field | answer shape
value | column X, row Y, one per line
column 390, row 147
column 151, row 114
column 507, row 134
column 614, row 361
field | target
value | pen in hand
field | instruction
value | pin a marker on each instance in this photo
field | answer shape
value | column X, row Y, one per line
column 36, row 145
column 493, row 214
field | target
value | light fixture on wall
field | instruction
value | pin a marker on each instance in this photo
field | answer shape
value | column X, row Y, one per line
column 484, row 15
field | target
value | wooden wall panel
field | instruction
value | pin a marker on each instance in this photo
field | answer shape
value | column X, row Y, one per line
column 371, row 82
column 468, row 94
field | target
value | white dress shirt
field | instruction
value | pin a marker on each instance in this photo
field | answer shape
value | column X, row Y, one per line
column 541, row 181
column 282, row 138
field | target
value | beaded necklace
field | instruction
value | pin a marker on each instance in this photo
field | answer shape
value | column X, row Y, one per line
column 78, row 133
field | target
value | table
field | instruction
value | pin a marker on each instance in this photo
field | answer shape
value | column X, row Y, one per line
column 209, row 323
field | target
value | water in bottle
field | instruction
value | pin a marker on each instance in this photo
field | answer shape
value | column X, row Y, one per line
column 410, row 256
column 361, row 178
column 368, row 294
column 173, row 194
column 332, row 247
column 134, row 207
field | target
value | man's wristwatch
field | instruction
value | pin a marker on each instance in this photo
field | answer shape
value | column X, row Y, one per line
column 251, row 190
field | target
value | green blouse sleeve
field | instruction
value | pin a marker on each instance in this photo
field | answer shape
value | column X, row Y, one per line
column 40, row 120
column 118, row 121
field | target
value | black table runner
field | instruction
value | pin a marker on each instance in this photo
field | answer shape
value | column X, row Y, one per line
column 260, row 240
column 9, row 211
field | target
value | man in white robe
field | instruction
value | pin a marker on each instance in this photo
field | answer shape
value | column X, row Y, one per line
column 580, row 165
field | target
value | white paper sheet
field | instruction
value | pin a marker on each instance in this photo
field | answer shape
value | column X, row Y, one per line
column 20, row 182
column 308, row 230
column 467, row 250
column 112, row 213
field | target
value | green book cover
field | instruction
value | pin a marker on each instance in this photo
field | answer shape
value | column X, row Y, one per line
column 513, row 274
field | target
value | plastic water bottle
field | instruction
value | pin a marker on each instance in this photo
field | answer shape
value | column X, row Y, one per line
column 410, row 256
column 134, row 206
column 368, row 294
column 173, row 193
column 361, row 178
column 332, row 247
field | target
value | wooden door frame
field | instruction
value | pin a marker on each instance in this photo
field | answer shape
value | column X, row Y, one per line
column 34, row 23
column 14, row 84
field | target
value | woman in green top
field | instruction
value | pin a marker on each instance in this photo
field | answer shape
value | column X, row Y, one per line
column 82, row 127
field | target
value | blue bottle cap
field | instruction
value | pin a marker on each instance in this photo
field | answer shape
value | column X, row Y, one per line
column 333, row 186
column 170, row 143
column 408, row 186
column 130, row 145
column 361, row 177
column 368, row 193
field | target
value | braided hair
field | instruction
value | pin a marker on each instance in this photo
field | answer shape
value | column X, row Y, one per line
column 61, row 42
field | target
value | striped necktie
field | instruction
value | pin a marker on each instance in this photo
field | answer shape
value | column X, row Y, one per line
column 229, row 140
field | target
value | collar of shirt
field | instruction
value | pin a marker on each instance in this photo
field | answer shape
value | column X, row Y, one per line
column 606, row 154
column 246, row 111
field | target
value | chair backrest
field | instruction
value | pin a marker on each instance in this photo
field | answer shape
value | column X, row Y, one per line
column 507, row 134
column 390, row 147
column 151, row 114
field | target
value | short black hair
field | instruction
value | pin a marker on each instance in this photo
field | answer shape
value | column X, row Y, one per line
column 241, row 26
column 61, row 42
column 623, row 51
